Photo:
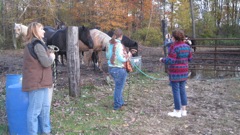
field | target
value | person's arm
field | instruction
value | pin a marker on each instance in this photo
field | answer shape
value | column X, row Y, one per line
column 44, row 59
column 171, row 58
column 190, row 54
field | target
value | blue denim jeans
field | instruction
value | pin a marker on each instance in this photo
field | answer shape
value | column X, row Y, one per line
column 119, row 75
column 179, row 94
column 38, row 115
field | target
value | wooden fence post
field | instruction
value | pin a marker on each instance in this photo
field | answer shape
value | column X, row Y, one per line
column 73, row 62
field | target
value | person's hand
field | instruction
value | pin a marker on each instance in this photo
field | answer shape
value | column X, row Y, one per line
column 160, row 59
column 129, row 55
column 52, row 55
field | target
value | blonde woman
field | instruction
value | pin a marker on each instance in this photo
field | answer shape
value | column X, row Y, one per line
column 37, row 79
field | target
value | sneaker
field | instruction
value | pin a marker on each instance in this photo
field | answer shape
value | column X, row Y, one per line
column 122, row 108
column 184, row 112
column 175, row 113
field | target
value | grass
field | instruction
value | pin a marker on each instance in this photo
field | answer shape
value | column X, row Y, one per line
column 90, row 114
column 3, row 125
column 3, row 129
column 148, row 103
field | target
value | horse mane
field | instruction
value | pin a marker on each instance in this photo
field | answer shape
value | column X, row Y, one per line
column 99, row 36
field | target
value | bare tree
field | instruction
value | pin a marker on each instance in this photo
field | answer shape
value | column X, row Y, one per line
column 193, row 21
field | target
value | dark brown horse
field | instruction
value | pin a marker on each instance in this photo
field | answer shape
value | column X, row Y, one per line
column 59, row 39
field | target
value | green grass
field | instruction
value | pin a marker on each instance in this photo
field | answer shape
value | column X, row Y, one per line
column 86, row 114
column 3, row 129
column 90, row 114
column 3, row 122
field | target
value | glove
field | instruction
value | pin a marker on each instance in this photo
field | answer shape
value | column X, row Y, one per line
column 52, row 55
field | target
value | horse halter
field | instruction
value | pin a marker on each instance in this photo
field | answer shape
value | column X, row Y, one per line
column 53, row 48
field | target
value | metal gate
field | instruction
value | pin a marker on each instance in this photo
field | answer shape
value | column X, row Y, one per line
column 218, row 56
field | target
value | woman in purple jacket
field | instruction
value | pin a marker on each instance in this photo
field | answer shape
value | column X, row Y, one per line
column 177, row 60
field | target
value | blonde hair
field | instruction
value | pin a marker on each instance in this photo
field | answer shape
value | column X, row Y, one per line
column 117, row 33
column 32, row 31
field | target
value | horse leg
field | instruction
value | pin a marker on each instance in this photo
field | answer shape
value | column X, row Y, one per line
column 89, row 56
column 64, row 54
column 56, row 58
column 100, row 60
column 81, row 56
column 95, row 59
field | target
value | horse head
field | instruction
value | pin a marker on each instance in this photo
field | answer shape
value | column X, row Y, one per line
column 17, row 29
column 85, row 37
column 20, row 29
column 60, row 25
column 134, row 50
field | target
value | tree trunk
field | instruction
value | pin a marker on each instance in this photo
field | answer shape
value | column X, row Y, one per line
column 193, row 21
column 149, row 23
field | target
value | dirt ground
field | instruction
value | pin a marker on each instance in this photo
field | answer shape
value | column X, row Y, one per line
column 214, row 105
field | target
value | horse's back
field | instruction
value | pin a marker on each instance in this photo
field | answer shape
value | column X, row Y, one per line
column 97, row 33
column 59, row 39
column 100, row 38
column 129, row 42
column 49, row 28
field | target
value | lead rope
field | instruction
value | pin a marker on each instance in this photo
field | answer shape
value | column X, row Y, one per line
column 54, row 49
column 151, row 77
column 54, row 69
column 129, row 83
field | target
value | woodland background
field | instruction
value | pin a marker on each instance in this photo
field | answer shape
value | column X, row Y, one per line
column 213, row 104
column 140, row 19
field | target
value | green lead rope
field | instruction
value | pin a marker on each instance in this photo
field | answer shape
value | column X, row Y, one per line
column 151, row 77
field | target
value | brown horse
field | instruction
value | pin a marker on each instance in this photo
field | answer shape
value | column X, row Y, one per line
column 100, row 40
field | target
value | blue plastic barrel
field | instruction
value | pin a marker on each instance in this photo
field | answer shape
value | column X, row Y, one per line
column 16, row 106
column 12, row 79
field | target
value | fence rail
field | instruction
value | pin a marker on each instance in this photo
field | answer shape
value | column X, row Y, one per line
column 218, row 55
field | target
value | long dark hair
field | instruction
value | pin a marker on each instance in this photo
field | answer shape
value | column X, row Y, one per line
column 117, row 33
